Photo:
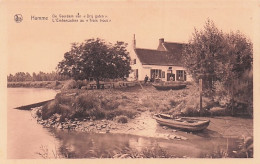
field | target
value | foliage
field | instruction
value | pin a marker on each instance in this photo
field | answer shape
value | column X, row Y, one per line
column 118, row 152
column 96, row 59
column 225, row 56
column 41, row 76
column 222, row 60
column 70, row 84
column 122, row 119
column 86, row 105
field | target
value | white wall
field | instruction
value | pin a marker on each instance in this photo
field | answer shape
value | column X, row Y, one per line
column 144, row 70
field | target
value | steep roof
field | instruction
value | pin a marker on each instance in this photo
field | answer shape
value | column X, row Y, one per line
column 174, row 47
column 155, row 57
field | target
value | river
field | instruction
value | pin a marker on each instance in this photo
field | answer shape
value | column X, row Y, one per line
column 25, row 138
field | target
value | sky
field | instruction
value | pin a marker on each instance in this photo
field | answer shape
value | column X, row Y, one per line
column 33, row 46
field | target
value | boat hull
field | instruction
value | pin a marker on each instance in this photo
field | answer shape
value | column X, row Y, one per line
column 187, row 124
column 169, row 87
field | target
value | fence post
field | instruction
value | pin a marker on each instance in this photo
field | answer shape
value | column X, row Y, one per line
column 200, row 89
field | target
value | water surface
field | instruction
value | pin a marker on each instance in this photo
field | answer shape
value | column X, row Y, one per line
column 25, row 138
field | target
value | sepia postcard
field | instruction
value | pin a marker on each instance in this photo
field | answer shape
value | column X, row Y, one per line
column 129, row 81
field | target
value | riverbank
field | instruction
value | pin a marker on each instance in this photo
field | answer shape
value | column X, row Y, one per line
column 130, row 110
column 71, row 84
column 239, row 132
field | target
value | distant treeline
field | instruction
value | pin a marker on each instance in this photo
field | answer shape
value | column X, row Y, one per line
column 41, row 76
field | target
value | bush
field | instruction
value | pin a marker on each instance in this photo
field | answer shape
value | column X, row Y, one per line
column 91, row 104
column 85, row 101
column 122, row 119
column 49, row 109
column 81, row 83
column 237, row 97
column 70, row 84
column 128, row 113
column 109, row 104
column 63, row 98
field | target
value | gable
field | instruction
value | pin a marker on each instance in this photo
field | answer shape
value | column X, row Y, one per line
column 174, row 47
column 155, row 57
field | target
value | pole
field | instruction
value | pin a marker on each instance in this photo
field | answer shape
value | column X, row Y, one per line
column 140, row 84
column 200, row 88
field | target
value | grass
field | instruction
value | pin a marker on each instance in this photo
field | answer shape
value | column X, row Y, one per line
column 125, row 152
column 110, row 103
column 46, row 154
column 88, row 104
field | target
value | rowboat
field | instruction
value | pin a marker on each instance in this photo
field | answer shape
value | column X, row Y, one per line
column 183, row 123
column 169, row 86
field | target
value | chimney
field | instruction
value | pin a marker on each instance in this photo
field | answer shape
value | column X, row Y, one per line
column 134, row 42
column 160, row 46
column 161, row 41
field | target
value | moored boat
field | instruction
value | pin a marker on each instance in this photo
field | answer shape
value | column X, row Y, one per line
column 183, row 123
column 169, row 86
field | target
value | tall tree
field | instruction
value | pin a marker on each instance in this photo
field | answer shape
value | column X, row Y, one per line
column 222, row 55
column 228, row 57
column 97, row 59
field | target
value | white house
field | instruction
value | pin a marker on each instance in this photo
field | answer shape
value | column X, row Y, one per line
column 161, row 63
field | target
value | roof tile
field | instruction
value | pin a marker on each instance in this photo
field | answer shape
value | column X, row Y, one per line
column 155, row 57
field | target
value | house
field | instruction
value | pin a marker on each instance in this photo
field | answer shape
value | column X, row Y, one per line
column 164, row 63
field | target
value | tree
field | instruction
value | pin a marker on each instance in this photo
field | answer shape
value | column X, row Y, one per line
column 212, row 52
column 228, row 57
column 10, row 78
column 97, row 59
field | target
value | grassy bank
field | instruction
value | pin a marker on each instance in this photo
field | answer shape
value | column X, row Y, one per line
column 125, row 103
column 95, row 104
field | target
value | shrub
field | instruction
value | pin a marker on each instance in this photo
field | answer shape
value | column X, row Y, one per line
column 81, row 83
column 49, row 109
column 85, row 101
column 128, row 113
column 93, row 104
column 237, row 97
column 109, row 104
column 122, row 119
column 70, row 84
column 173, row 102
column 63, row 98
column 96, row 113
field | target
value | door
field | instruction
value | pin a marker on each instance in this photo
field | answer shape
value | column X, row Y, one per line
column 169, row 75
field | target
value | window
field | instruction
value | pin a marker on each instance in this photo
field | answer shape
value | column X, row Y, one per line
column 163, row 74
column 136, row 73
column 132, row 62
column 156, row 73
column 180, row 75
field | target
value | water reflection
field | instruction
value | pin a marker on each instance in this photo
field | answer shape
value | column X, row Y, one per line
column 89, row 145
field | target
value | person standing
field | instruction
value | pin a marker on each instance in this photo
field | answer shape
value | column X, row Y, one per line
column 145, row 79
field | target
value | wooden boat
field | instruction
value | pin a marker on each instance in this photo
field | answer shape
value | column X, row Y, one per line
column 28, row 107
column 168, row 86
column 183, row 123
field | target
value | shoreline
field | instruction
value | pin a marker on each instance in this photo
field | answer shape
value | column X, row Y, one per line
column 220, row 130
column 144, row 125
column 145, row 102
column 56, row 85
